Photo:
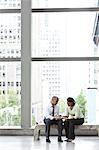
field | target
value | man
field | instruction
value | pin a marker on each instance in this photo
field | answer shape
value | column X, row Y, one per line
column 52, row 117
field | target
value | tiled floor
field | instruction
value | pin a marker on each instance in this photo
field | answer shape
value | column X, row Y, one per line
column 28, row 143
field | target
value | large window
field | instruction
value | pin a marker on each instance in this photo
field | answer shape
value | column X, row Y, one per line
column 10, row 35
column 73, row 78
column 10, row 4
column 47, row 47
column 63, row 34
column 10, row 65
column 63, row 3
column 65, row 55
column 10, row 89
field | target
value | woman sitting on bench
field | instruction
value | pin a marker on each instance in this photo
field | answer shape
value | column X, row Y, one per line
column 72, row 117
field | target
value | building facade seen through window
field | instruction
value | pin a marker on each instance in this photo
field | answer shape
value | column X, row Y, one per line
column 65, row 34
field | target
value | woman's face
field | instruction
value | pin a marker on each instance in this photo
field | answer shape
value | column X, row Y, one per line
column 70, row 104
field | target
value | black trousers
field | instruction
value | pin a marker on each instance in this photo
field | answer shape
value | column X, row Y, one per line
column 48, row 123
column 69, row 126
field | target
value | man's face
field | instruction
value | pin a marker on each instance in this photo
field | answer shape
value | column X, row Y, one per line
column 54, row 101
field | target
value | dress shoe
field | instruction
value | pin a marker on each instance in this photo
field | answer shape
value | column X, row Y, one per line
column 68, row 140
column 48, row 140
column 60, row 140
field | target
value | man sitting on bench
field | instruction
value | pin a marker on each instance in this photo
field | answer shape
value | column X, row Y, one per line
column 52, row 117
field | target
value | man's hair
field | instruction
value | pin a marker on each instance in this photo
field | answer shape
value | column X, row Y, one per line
column 55, row 97
column 70, row 99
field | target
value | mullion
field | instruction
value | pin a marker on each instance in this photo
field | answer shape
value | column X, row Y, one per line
column 41, row 10
column 10, row 10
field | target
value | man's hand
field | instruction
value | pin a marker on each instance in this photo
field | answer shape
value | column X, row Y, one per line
column 57, row 117
column 64, row 118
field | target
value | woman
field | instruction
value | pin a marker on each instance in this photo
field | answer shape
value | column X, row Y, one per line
column 73, row 117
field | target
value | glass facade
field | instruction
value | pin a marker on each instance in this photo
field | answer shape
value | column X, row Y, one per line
column 67, row 34
column 10, row 4
column 10, row 35
column 63, row 34
column 10, row 71
column 10, row 94
column 79, row 80
column 63, row 3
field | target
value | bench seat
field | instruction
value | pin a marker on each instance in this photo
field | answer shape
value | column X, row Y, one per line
column 79, row 130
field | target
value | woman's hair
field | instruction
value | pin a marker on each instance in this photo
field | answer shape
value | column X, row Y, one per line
column 70, row 99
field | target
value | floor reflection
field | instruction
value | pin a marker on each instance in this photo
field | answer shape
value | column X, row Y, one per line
column 70, row 146
column 60, row 146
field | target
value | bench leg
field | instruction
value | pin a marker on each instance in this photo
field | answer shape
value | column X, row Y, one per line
column 36, row 134
column 98, row 131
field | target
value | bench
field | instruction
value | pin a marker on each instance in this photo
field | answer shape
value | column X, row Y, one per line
column 79, row 130
column 38, row 128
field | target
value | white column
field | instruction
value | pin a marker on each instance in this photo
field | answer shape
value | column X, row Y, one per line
column 26, row 64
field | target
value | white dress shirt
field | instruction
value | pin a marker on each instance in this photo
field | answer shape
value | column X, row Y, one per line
column 74, row 112
column 49, row 110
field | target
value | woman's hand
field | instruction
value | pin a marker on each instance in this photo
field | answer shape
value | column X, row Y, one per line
column 64, row 118
column 58, row 117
